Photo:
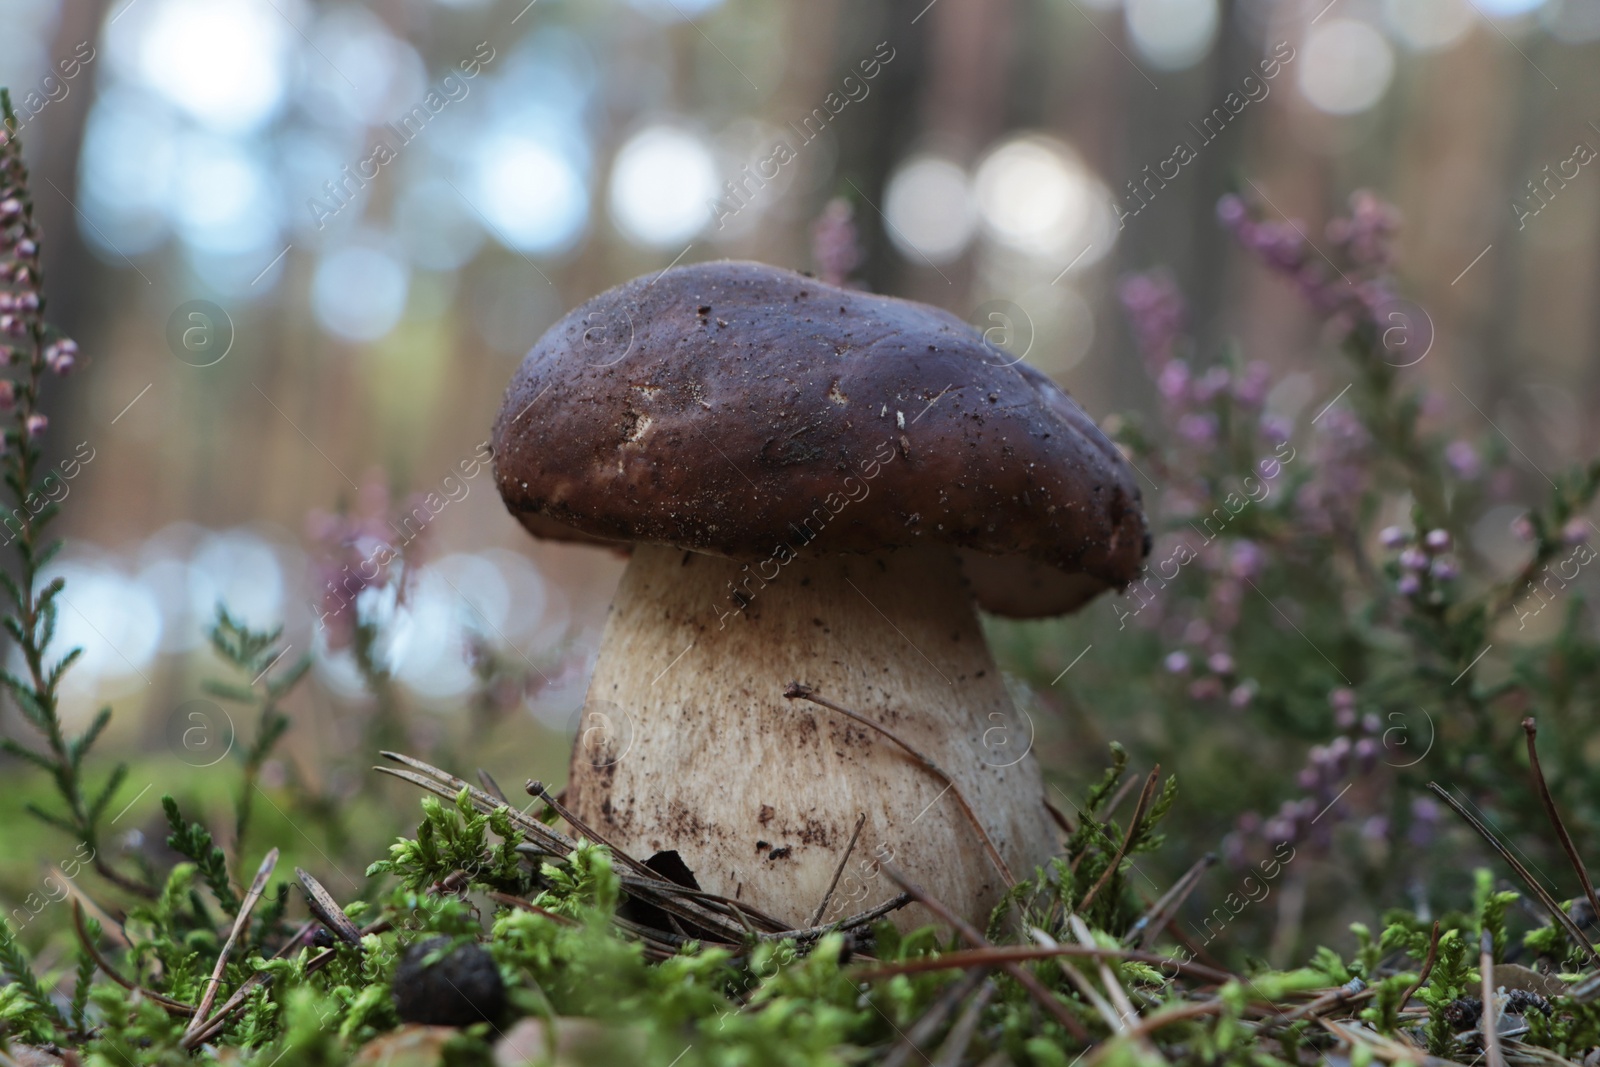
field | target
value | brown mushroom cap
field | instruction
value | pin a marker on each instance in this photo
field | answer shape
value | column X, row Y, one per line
column 747, row 411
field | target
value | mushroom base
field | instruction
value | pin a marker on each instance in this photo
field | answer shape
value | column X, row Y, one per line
column 688, row 744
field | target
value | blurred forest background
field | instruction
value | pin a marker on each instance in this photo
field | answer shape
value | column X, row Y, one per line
column 996, row 154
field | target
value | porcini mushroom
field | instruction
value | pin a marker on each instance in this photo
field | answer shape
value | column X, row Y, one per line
column 817, row 485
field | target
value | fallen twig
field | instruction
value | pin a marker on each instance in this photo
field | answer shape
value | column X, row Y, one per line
column 1108, row 977
column 545, row 840
column 1114, row 1021
column 953, row 1051
column 1024, row 978
column 872, row 914
column 327, row 910
column 928, row 1024
column 492, row 786
column 1427, row 966
column 995, row 955
column 1491, row 1017
column 1556, row 910
column 1353, row 992
column 1133, row 828
column 173, row 1007
column 219, row 1019
column 1532, row 730
column 861, row 820
column 743, row 913
column 240, row 921
column 805, row 692
column 1161, row 912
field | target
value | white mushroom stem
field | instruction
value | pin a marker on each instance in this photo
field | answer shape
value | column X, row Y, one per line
column 688, row 743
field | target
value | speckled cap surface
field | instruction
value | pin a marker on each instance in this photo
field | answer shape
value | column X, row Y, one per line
column 743, row 410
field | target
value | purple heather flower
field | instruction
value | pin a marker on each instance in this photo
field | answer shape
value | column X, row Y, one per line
column 36, row 424
column 1200, row 429
column 1276, row 428
column 1425, row 815
column 1522, row 528
column 1279, row 830
column 1437, row 541
column 1392, row 537
column 1576, row 531
column 10, row 209
column 1375, row 828
column 347, row 546
column 1308, row 778
column 1409, row 585
column 1233, row 851
column 1366, row 753
column 1414, row 559
column 1253, row 384
column 1231, row 211
column 1157, row 313
column 1462, row 458
column 1344, row 718
column 27, row 248
column 1173, row 381
column 1443, row 569
column 1207, row 688
column 1176, row 662
column 1210, row 384
column 8, row 394
column 1246, row 560
column 13, row 325
column 1370, row 228
column 834, row 243
column 1370, row 723
column 1342, row 697
column 61, row 355
column 1220, row 663
column 1242, row 694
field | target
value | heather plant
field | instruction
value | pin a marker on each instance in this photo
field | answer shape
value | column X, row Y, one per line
column 31, row 351
column 1314, row 598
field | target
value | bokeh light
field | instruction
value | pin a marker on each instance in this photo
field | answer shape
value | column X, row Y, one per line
column 440, row 231
column 675, row 10
column 1428, row 25
column 1172, row 34
column 1346, row 67
column 662, row 183
column 359, row 292
column 1037, row 197
column 1573, row 22
column 127, row 173
column 532, row 192
column 930, row 207
column 108, row 614
column 1508, row 8
column 222, row 61
column 240, row 569
column 367, row 73
column 224, row 198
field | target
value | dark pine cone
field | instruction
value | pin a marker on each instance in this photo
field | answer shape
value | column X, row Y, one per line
column 1522, row 1001
column 462, row 988
column 1464, row 1013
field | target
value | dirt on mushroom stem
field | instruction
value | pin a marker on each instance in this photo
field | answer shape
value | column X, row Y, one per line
column 689, row 743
